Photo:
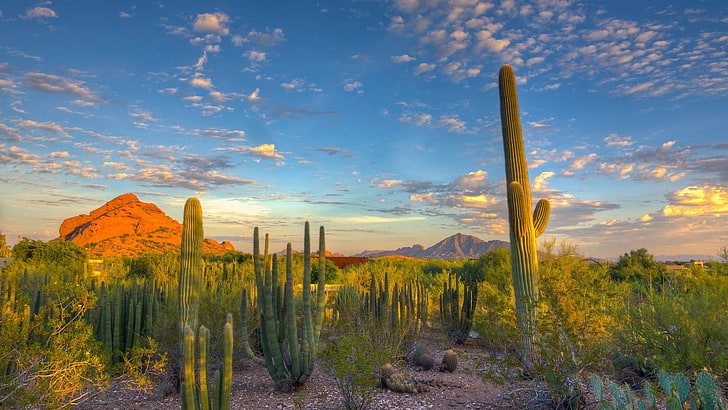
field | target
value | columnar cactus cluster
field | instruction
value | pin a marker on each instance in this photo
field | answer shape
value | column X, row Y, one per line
column 401, row 307
column 198, row 396
column 124, row 313
column 457, row 306
column 288, row 353
column 524, row 226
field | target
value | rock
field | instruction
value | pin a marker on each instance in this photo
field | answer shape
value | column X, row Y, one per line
column 126, row 226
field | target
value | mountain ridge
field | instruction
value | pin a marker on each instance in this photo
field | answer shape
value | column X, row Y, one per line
column 125, row 226
column 458, row 246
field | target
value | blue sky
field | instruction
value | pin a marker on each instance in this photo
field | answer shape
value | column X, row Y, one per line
column 376, row 119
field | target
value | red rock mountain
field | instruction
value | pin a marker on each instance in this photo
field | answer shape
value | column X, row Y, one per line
column 126, row 226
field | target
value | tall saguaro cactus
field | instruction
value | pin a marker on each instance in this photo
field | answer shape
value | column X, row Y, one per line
column 190, row 266
column 190, row 282
column 524, row 227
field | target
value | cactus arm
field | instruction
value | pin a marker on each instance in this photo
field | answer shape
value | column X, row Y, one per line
column 272, row 351
column 187, row 394
column 320, row 289
column 541, row 216
column 307, row 327
column 291, row 328
column 244, row 335
column 203, row 337
column 519, row 217
column 227, row 365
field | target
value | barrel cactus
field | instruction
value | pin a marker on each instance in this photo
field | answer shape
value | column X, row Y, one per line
column 449, row 361
column 525, row 227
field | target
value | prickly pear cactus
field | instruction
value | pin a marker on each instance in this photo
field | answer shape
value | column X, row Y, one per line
column 524, row 226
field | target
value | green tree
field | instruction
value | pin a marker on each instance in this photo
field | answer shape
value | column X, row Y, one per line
column 26, row 249
column 332, row 272
column 58, row 251
column 637, row 265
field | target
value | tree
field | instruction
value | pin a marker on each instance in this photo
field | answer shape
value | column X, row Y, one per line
column 332, row 272
column 637, row 265
column 58, row 251
column 26, row 249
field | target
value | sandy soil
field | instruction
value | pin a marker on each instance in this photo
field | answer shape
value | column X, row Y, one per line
column 253, row 389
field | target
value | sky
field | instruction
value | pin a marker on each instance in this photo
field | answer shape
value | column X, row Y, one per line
column 377, row 119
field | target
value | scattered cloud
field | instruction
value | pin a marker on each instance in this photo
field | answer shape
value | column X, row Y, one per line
column 333, row 151
column 404, row 58
column 212, row 23
column 40, row 13
column 58, row 85
column 695, row 201
column 423, row 68
column 201, row 82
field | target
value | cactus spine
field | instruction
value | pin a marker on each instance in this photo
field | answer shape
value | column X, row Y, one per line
column 288, row 356
column 524, row 228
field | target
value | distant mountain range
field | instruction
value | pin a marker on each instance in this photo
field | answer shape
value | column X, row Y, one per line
column 458, row 246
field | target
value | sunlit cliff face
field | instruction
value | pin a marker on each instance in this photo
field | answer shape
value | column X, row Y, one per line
column 126, row 226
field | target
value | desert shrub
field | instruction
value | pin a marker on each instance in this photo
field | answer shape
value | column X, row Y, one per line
column 574, row 324
column 53, row 361
column 143, row 365
column 675, row 328
column 353, row 360
column 56, row 252
column 495, row 316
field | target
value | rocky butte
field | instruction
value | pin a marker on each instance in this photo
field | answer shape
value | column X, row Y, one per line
column 125, row 226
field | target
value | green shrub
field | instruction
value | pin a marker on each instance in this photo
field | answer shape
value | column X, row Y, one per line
column 675, row 328
column 353, row 360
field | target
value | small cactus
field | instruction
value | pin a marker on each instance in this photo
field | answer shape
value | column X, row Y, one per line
column 449, row 361
column 400, row 382
column 423, row 358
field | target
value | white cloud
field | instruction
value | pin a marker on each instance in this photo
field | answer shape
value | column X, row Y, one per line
column 614, row 140
column 254, row 95
column 423, row 68
column 40, row 12
column 256, row 56
column 353, row 86
column 417, row 119
column 404, row 58
column 201, row 82
column 213, row 23
column 407, row 6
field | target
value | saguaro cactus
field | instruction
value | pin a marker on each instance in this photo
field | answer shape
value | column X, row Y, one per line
column 524, row 228
column 190, row 266
column 190, row 281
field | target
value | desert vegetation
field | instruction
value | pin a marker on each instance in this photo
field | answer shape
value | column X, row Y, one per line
column 67, row 333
